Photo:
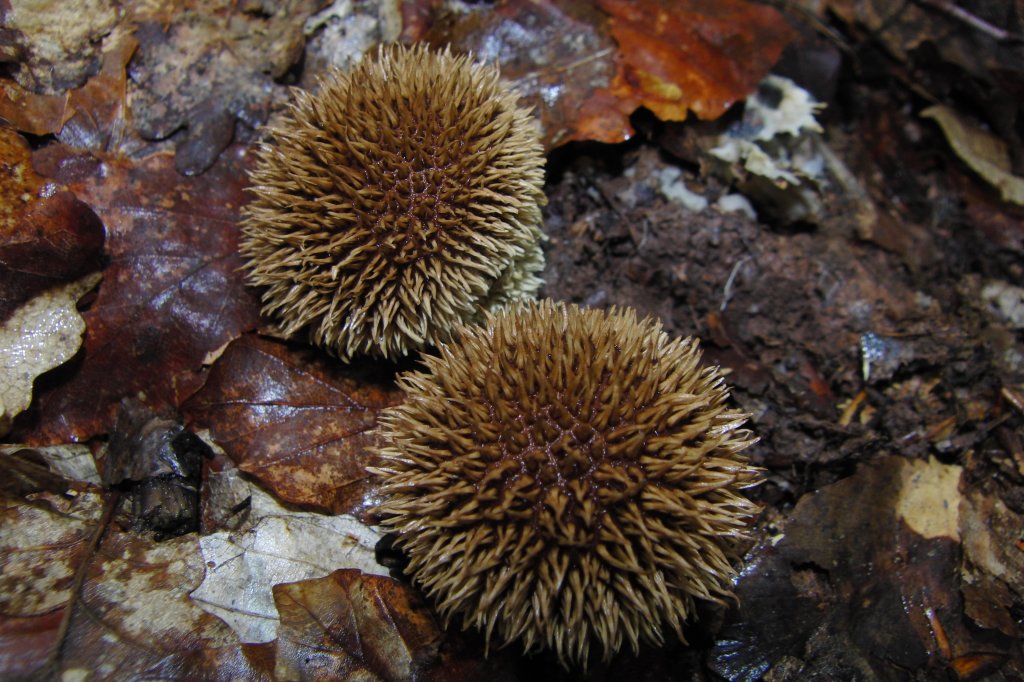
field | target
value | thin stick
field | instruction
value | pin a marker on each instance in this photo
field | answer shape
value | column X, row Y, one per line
column 65, row 624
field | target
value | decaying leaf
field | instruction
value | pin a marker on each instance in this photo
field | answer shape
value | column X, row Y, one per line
column 353, row 626
column 877, row 556
column 71, row 462
column 172, row 293
column 559, row 56
column 277, row 546
column 298, row 422
column 215, row 63
column 985, row 153
column 36, row 576
column 772, row 155
column 586, row 68
column 157, row 464
column 134, row 618
column 47, row 236
column 89, row 117
column 42, row 334
column 58, row 41
column 697, row 55
column 992, row 538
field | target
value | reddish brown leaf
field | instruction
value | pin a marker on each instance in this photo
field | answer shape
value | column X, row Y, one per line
column 300, row 424
column 89, row 117
column 698, row 55
column 560, row 57
column 349, row 625
column 95, row 115
column 171, row 296
column 47, row 237
column 29, row 112
column 585, row 74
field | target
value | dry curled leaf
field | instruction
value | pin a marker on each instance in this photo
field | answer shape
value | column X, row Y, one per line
column 171, row 296
column 300, row 424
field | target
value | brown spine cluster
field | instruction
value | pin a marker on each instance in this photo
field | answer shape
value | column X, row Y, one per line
column 399, row 201
column 566, row 477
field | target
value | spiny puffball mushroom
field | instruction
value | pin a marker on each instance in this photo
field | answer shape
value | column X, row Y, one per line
column 402, row 199
column 567, row 477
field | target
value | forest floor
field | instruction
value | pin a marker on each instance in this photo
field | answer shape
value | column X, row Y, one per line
column 863, row 288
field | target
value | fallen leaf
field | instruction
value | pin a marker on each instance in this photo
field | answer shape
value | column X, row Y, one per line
column 73, row 462
column 27, row 641
column 874, row 560
column 131, row 619
column 216, row 62
column 88, row 117
column 279, row 546
column 172, row 293
column 42, row 334
column 985, row 153
column 586, row 70
column 991, row 535
column 57, row 41
column 558, row 55
column 47, row 236
column 134, row 620
column 36, row 575
column 298, row 422
column 698, row 55
column 95, row 117
column 353, row 626
column 31, row 112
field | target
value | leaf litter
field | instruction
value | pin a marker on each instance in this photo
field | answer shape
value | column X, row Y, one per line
column 893, row 496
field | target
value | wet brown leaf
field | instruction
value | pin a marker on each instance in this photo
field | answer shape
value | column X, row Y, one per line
column 47, row 236
column 559, row 56
column 26, row 641
column 89, row 117
column 586, row 70
column 171, row 296
column 700, row 55
column 299, row 423
column 878, row 555
column 353, row 626
column 30, row 112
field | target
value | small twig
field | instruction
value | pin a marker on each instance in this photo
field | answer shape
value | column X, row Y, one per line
column 65, row 624
column 972, row 20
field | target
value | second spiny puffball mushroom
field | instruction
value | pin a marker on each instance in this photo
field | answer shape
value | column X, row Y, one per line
column 400, row 200
column 571, row 478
